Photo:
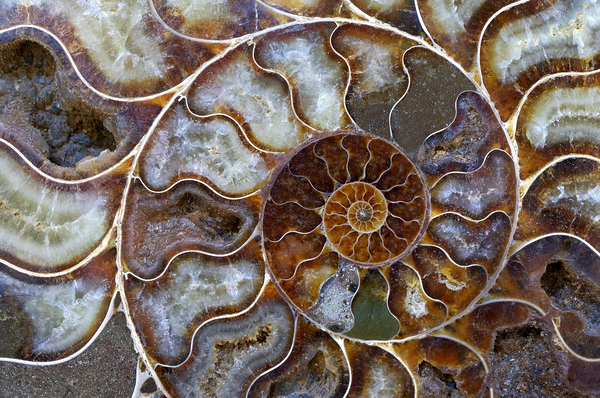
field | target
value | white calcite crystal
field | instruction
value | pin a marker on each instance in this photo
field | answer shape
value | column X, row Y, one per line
column 62, row 314
column 385, row 381
column 565, row 30
column 452, row 16
column 210, row 148
column 478, row 193
column 258, row 98
column 194, row 287
column 563, row 115
column 204, row 11
column 318, row 77
column 471, row 242
column 228, row 354
column 582, row 196
column 414, row 302
column 47, row 224
column 380, row 64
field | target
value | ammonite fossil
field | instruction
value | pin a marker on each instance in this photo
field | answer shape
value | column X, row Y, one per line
column 263, row 198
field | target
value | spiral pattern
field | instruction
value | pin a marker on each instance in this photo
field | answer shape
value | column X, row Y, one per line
column 357, row 205
column 347, row 218
column 373, row 211
column 316, row 198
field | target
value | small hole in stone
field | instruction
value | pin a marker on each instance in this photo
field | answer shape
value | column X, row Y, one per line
column 117, row 301
column 554, row 279
column 148, row 387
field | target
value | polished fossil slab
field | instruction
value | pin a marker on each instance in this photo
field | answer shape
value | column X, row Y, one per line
column 303, row 198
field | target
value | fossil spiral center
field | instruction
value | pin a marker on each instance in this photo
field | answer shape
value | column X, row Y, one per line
column 342, row 208
column 364, row 214
column 360, row 205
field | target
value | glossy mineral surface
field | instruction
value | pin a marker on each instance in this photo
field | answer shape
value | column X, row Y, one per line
column 273, row 198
